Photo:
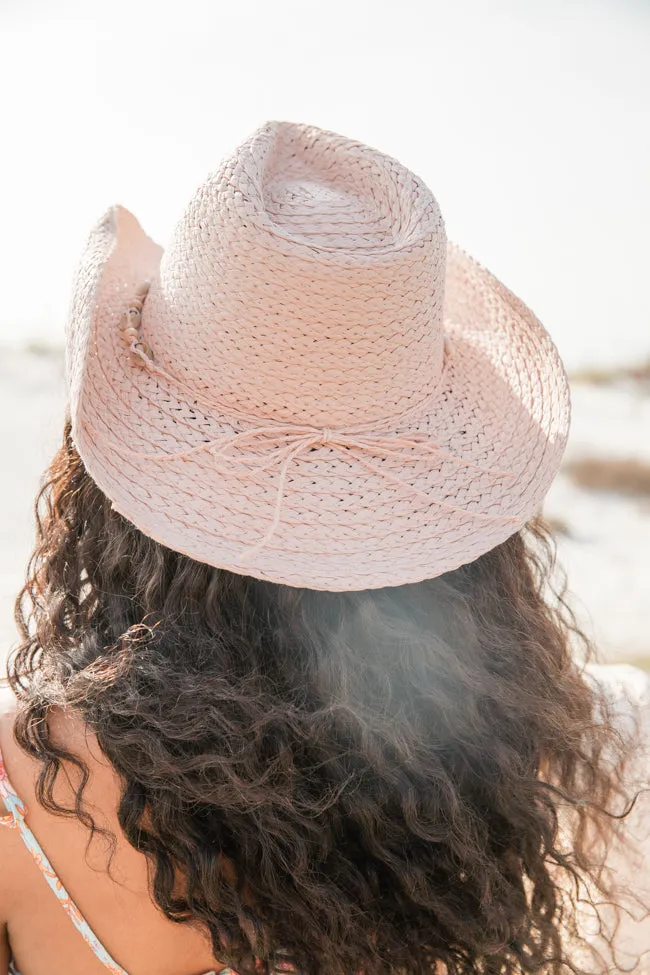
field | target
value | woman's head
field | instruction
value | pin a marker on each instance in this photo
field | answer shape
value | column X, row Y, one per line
column 367, row 779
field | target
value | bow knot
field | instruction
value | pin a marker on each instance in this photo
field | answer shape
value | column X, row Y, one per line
column 326, row 436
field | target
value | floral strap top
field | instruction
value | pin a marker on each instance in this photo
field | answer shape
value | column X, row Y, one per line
column 16, row 820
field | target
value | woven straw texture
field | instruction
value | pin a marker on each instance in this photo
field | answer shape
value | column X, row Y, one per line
column 310, row 385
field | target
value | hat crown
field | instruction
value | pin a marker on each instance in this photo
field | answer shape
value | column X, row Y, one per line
column 304, row 283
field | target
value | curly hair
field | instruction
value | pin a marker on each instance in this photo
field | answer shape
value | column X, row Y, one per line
column 368, row 781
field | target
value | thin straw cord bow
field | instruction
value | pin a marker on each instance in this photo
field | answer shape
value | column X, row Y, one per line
column 292, row 440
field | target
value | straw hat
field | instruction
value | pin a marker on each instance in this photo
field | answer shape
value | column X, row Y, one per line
column 310, row 384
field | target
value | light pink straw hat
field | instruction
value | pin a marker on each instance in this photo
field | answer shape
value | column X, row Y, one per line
column 310, row 384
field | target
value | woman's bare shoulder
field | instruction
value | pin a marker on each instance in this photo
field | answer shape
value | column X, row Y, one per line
column 10, row 852
column 8, row 705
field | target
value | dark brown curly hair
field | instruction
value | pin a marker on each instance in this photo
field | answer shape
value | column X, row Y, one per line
column 370, row 781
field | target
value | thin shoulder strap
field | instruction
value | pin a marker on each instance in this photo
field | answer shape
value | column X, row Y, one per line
column 16, row 820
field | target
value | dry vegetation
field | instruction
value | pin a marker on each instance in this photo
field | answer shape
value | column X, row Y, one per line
column 642, row 662
column 45, row 350
column 559, row 526
column 604, row 377
column 623, row 476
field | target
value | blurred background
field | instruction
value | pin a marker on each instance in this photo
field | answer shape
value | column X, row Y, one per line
column 529, row 121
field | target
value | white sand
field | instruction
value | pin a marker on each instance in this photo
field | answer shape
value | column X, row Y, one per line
column 607, row 551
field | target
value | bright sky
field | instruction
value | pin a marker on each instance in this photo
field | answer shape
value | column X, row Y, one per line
column 530, row 122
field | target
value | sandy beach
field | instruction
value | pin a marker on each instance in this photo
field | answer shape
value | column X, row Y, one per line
column 603, row 535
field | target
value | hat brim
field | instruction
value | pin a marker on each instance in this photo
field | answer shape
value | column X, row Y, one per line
column 502, row 412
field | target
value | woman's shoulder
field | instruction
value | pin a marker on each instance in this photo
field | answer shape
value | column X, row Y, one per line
column 7, row 717
column 10, row 846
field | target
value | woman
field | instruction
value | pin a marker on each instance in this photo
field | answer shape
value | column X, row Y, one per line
column 294, row 689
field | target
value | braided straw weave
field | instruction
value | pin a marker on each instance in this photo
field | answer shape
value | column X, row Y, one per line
column 310, row 385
